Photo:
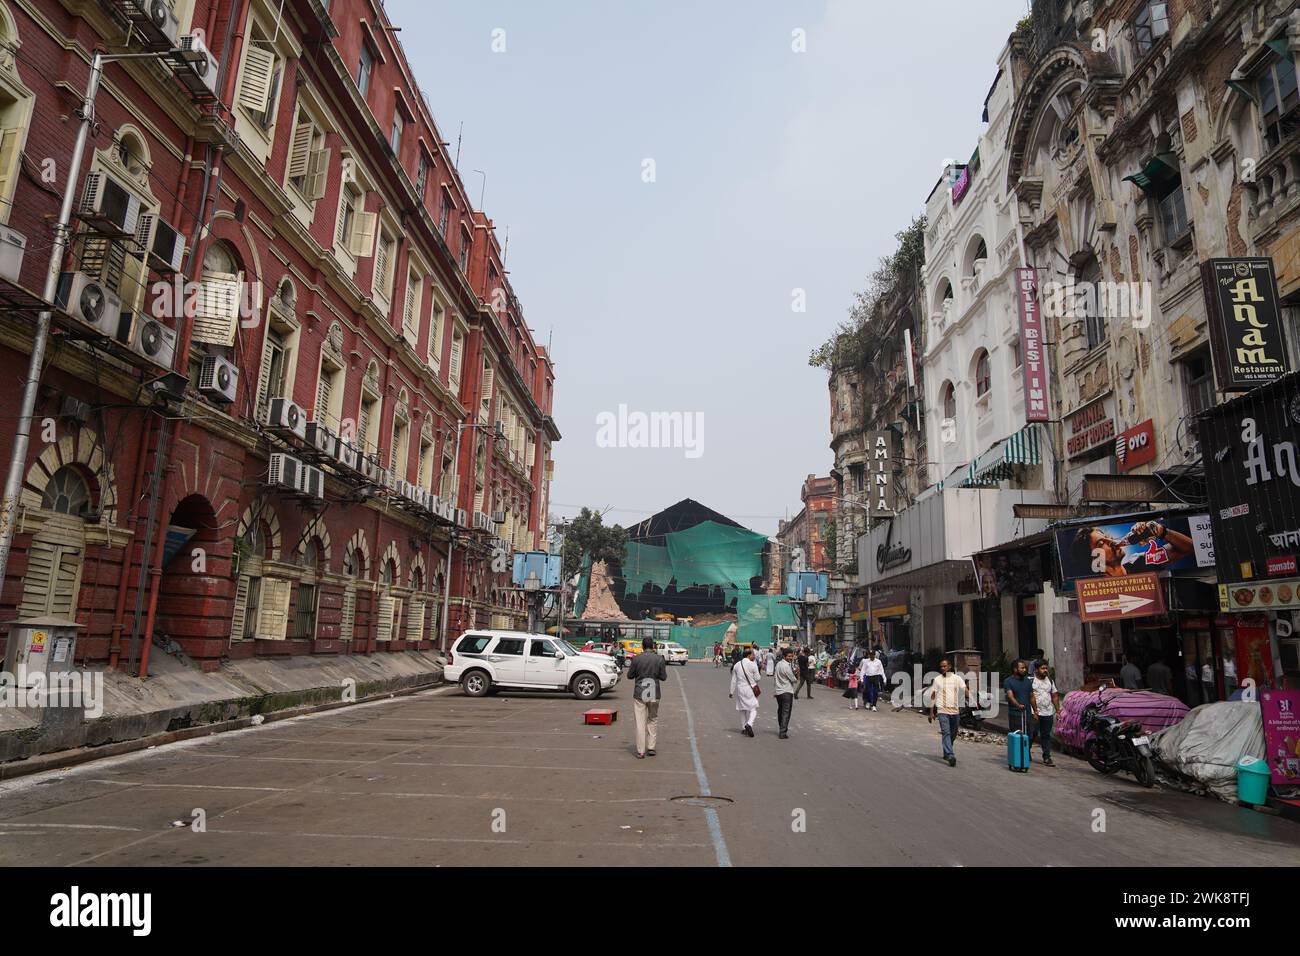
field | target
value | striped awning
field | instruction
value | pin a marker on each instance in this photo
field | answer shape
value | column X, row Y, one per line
column 998, row 462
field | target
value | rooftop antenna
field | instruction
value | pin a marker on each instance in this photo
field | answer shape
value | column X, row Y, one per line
column 459, row 133
column 482, row 189
column 505, row 253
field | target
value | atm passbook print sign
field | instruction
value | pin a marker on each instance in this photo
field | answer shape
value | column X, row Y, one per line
column 1120, row 597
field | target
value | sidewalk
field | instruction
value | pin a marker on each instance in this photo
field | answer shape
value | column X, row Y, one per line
column 178, row 697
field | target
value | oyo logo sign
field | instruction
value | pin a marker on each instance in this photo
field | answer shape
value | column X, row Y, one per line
column 1137, row 446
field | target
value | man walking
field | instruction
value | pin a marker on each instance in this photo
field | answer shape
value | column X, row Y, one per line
column 805, row 672
column 1020, row 693
column 745, row 690
column 873, row 672
column 1130, row 677
column 784, row 690
column 646, row 672
column 1047, row 700
column 949, row 691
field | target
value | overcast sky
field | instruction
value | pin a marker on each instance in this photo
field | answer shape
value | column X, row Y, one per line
column 774, row 171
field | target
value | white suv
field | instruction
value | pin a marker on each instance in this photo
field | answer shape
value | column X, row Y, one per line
column 482, row 661
column 673, row 653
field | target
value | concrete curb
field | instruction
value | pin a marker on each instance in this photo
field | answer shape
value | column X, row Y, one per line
column 81, row 755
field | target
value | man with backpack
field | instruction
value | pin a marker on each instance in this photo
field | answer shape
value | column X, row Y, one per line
column 646, row 672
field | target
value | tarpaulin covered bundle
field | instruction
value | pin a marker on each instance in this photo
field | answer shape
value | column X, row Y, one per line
column 699, row 641
column 1207, row 744
column 757, row 613
column 713, row 553
column 1153, row 711
column 645, row 564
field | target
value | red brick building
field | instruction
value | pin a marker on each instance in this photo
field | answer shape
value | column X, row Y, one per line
column 807, row 529
column 350, row 319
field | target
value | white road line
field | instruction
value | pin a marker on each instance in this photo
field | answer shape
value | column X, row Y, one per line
column 710, row 814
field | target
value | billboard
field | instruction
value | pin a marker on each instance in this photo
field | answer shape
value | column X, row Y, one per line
column 880, row 472
column 1118, row 598
column 1015, row 572
column 1120, row 547
column 1280, row 710
column 1245, row 322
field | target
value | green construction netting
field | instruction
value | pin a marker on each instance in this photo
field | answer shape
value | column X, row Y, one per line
column 712, row 553
column 584, row 584
column 699, row 641
column 644, row 563
column 757, row 613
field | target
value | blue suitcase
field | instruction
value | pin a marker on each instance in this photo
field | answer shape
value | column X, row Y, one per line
column 1018, row 751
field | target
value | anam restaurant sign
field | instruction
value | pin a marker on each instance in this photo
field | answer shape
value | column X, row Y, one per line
column 1032, row 357
column 1246, row 338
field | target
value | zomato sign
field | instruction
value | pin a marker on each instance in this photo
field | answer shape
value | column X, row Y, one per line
column 1136, row 446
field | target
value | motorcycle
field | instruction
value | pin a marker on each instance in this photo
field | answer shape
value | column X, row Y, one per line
column 1117, row 744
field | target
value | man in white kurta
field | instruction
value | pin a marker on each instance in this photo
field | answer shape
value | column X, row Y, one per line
column 744, row 678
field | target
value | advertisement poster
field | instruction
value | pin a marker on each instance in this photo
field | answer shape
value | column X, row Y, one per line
column 1117, row 598
column 1281, row 712
column 1254, row 652
column 1009, row 572
column 1117, row 548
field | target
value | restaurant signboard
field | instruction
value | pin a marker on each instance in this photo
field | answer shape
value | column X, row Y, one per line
column 1245, row 322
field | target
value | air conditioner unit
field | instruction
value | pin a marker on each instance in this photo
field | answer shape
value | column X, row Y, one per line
column 346, row 454
column 388, row 479
column 462, row 517
column 482, row 522
column 321, row 438
column 91, row 302
column 153, row 19
column 367, row 466
column 498, row 517
column 108, row 206
column 499, row 429
column 218, row 379
column 152, row 340
column 162, row 245
column 311, row 482
column 286, row 416
column 449, row 510
column 435, row 504
column 197, row 69
column 285, row 471
column 402, row 488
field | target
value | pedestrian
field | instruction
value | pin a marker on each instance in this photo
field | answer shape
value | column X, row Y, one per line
column 1130, row 677
column 745, row 690
column 1159, row 677
column 1020, row 692
column 949, row 691
column 804, row 661
column 646, row 672
column 736, row 655
column 873, row 673
column 1047, row 701
column 769, row 661
column 851, row 691
column 717, row 653
column 783, row 688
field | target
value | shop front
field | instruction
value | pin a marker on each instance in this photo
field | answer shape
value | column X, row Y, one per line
column 1252, row 471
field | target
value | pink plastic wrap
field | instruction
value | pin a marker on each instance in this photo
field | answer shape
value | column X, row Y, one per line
column 1154, row 711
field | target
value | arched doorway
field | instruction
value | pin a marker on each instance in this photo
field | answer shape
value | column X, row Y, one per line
column 191, row 596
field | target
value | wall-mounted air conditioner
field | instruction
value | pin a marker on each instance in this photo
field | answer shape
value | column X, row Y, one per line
column 198, row 68
column 152, row 340
column 285, row 416
column 346, row 455
column 402, row 488
column 368, row 467
column 285, row 471
column 162, row 245
column 152, row 19
column 321, row 438
column 311, row 482
column 108, row 206
column 498, row 517
column 91, row 302
column 218, row 379
column 462, row 518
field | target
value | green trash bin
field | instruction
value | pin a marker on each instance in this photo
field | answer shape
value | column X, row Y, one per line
column 1252, row 780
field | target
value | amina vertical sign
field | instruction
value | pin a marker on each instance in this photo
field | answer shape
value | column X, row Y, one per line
column 1032, row 358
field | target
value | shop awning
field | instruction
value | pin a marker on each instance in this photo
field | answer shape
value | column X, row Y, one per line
column 998, row 462
column 1157, row 171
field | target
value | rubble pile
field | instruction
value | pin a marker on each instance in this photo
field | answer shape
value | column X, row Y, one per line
column 601, row 605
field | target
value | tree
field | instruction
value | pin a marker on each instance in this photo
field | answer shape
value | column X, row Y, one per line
column 588, row 534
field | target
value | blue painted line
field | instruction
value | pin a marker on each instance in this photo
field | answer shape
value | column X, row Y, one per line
column 710, row 815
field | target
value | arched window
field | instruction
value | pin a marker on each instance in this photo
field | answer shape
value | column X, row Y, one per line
column 67, row 493
column 949, row 398
column 1088, row 304
column 983, row 374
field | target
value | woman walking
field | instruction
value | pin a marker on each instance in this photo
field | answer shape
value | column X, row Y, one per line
column 744, row 690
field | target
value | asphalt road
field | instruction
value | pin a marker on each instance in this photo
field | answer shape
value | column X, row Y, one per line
column 440, row 779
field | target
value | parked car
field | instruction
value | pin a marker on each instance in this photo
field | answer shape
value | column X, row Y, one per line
column 673, row 653
column 483, row 661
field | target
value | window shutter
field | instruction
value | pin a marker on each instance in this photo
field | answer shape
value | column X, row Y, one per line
column 415, row 620
column 273, row 614
column 300, row 151
column 317, row 170
column 9, row 139
column 349, row 617
column 385, row 616
column 410, row 328
column 216, row 308
column 456, row 344
column 397, row 619
column 363, row 426
column 392, row 448
column 264, row 377
column 365, row 227
column 435, row 337
column 240, row 615
column 379, row 284
column 323, row 387
column 255, row 78
column 346, row 202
